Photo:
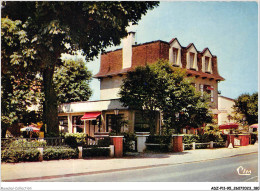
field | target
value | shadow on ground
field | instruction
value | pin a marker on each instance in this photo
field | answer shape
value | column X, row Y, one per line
column 137, row 155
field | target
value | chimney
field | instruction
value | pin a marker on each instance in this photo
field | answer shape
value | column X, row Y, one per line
column 128, row 42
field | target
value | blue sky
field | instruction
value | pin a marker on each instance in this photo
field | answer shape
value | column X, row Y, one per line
column 228, row 29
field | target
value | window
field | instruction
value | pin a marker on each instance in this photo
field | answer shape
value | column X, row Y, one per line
column 194, row 85
column 112, row 121
column 192, row 57
column 201, row 88
column 77, row 124
column 141, row 122
column 175, row 56
column 63, row 123
column 209, row 90
column 207, row 63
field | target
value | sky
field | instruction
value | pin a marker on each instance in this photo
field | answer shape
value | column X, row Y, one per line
column 228, row 29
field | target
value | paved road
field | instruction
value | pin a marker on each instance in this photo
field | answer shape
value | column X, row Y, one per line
column 217, row 170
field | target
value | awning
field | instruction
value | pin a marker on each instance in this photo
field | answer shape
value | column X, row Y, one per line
column 210, row 88
column 229, row 126
column 90, row 116
column 254, row 125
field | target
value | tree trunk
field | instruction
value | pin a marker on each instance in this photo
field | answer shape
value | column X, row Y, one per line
column 50, row 105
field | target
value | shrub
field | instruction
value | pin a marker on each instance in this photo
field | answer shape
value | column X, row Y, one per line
column 157, row 139
column 129, row 142
column 157, row 148
column 75, row 139
column 17, row 155
column 23, row 143
column 54, row 153
column 104, row 142
column 163, row 141
column 188, row 139
column 95, row 151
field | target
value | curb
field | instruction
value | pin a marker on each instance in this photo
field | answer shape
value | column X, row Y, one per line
column 118, row 170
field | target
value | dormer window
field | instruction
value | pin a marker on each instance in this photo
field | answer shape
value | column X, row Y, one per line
column 207, row 65
column 175, row 56
column 206, row 61
column 191, row 57
column 175, row 53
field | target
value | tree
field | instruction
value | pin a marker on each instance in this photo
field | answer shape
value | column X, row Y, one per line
column 179, row 102
column 17, row 91
column 140, row 91
column 71, row 81
column 247, row 106
column 48, row 29
column 159, row 86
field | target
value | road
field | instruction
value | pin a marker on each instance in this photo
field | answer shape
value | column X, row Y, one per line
column 217, row 170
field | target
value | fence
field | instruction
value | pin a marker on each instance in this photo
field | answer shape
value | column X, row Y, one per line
column 58, row 143
column 208, row 145
column 25, row 143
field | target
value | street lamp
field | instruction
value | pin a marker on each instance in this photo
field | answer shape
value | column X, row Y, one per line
column 116, row 111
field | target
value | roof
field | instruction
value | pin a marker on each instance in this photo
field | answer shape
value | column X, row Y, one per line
column 226, row 97
column 148, row 53
column 205, row 75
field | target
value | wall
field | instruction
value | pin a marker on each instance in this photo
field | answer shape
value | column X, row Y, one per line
column 225, row 107
column 109, row 87
column 213, row 83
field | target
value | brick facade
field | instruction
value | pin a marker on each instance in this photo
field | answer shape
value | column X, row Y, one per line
column 149, row 53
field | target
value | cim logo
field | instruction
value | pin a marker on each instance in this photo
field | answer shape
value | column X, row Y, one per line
column 242, row 171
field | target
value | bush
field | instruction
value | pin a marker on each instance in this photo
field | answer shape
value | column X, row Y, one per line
column 129, row 142
column 157, row 139
column 75, row 139
column 95, row 151
column 18, row 155
column 163, row 141
column 55, row 153
column 23, row 143
column 254, row 137
column 104, row 142
column 188, row 139
column 157, row 148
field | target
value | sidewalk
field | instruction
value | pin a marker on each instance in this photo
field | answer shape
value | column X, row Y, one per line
column 29, row 171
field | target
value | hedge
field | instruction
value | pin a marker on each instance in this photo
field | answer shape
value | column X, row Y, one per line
column 129, row 142
column 162, row 141
column 95, row 151
column 19, row 155
column 55, row 153
column 75, row 139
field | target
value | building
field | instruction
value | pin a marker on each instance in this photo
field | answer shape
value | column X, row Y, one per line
column 225, row 107
column 202, row 65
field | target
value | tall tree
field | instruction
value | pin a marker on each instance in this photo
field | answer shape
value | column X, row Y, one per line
column 17, row 86
column 247, row 106
column 161, row 87
column 180, row 103
column 52, row 28
column 139, row 91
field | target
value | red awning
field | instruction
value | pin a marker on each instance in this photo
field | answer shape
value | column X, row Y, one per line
column 229, row 126
column 210, row 88
column 90, row 116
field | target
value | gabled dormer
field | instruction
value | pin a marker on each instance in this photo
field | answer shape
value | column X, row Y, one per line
column 192, row 57
column 207, row 61
column 175, row 53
